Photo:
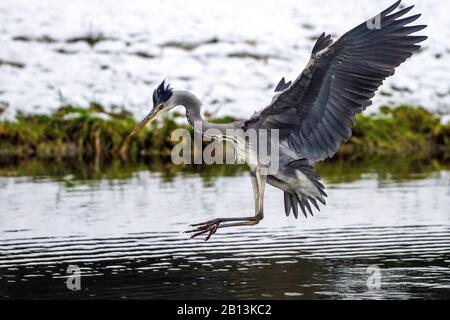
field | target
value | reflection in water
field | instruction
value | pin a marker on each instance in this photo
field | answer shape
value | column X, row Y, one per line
column 126, row 235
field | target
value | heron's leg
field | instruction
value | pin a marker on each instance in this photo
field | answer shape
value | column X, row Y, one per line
column 259, row 194
column 210, row 227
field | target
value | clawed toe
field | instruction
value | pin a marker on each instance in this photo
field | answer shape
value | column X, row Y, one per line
column 209, row 228
column 209, row 222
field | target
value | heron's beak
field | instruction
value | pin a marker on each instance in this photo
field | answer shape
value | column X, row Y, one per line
column 150, row 117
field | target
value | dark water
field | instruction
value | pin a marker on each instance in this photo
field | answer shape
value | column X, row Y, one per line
column 126, row 236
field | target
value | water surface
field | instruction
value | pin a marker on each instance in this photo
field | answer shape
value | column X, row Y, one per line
column 127, row 237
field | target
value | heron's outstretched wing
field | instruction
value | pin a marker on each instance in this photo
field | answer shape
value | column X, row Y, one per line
column 315, row 113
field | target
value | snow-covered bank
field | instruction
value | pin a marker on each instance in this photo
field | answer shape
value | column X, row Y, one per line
column 230, row 53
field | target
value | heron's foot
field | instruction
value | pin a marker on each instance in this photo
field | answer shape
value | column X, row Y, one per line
column 210, row 227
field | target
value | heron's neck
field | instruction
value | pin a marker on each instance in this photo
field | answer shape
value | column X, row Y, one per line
column 193, row 107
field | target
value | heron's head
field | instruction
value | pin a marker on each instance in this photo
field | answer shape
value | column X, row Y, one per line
column 161, row 103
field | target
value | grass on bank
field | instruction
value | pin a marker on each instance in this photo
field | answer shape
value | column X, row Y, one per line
column 92, row 133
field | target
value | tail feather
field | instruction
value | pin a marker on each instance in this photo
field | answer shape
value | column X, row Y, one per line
column 314, row 202
column 305, row 200
column 302, row 206
column 303, row 197
column 287, row 203
column 292, row 202
column 294, row 205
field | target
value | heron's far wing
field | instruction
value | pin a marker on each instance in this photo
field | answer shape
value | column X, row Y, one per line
column 315, row 113
column 282, row 85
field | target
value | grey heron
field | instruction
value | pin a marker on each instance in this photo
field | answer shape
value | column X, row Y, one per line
column 313, row 114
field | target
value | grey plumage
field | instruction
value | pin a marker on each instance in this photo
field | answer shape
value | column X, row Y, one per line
column 313, row 114
column 339, row 82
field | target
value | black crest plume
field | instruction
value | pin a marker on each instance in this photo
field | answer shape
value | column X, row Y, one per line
column 162, row 93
